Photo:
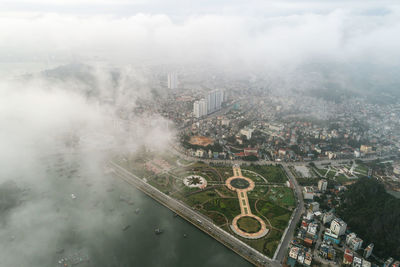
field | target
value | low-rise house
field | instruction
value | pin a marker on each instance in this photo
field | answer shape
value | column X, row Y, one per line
column 308, row 259
column 350, row 237
column 356, row 243
column 366, row 263
column 314, row 206
column 294, row 252
column 357, row 262
column 312, row 229
column 388, row 262
column 300, row 257
column 331, row 236
column 308, row 192
column 310, row 216
column 326, row 250
column 348, row 257
column 199, row 153
column 308, row 242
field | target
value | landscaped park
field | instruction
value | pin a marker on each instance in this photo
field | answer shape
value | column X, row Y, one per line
column 253, row 203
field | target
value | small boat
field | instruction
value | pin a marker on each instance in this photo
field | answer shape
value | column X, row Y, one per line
column 158, row 231
column 126, row 228
column 73, row 196
column 184, row 235
column 137, row 211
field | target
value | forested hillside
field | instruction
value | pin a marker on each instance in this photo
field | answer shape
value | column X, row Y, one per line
column 374, row 215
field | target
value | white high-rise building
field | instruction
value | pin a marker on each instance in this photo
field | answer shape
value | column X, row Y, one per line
column 211, row 102
column 172, row 80
column 350, row 237
column 200, row 108
column 322, row 185
column 368, row 250
column 203, row 107
column 214, row 100
column 338, row 226
column 196, row 109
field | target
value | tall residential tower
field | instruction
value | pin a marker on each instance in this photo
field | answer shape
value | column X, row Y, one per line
column 172, row 80
column 214, row 100
column 200, row 108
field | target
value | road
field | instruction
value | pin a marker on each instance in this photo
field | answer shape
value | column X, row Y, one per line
column 181, row 153
column 282, row 250
column 196, row 219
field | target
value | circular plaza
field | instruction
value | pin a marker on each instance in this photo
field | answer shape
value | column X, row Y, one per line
column 195, row 181
column 246, row 224
column 239, row 183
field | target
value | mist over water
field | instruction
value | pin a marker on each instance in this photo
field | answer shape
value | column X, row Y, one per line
column 42, row 225
column 56, row 139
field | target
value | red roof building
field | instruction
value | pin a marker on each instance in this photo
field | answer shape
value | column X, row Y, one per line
column 348, row 256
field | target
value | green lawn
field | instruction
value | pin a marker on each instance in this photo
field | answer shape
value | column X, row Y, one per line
column 274, row 174
column 225, row 191
column 331, row 174
column 281, row 221
column 227, row 206
column 253, row 176
column 341, row 178
column 217, row 218
column 362, row 170
column 284, row 196
column 201, row 197
column 249, row 225
column 320, row 171
column 271, row 242
column 266, row 245
column 277, row 215
column 258, row 192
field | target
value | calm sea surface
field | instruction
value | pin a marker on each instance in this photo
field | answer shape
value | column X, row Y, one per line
column 106, row 222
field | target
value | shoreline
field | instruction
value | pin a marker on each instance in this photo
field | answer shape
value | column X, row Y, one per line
column 253, row 256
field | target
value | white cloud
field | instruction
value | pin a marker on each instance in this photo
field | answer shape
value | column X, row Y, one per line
column 340, row 34
column 37, row 119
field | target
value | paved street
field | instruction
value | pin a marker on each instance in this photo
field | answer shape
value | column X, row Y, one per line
column 182, row 154
column 282, row 250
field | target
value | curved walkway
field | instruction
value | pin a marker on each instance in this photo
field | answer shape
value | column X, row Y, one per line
column 259, row 175
column 244, row 204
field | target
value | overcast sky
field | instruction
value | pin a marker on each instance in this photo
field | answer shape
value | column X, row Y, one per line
column 182, row 8
column 256, row 33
